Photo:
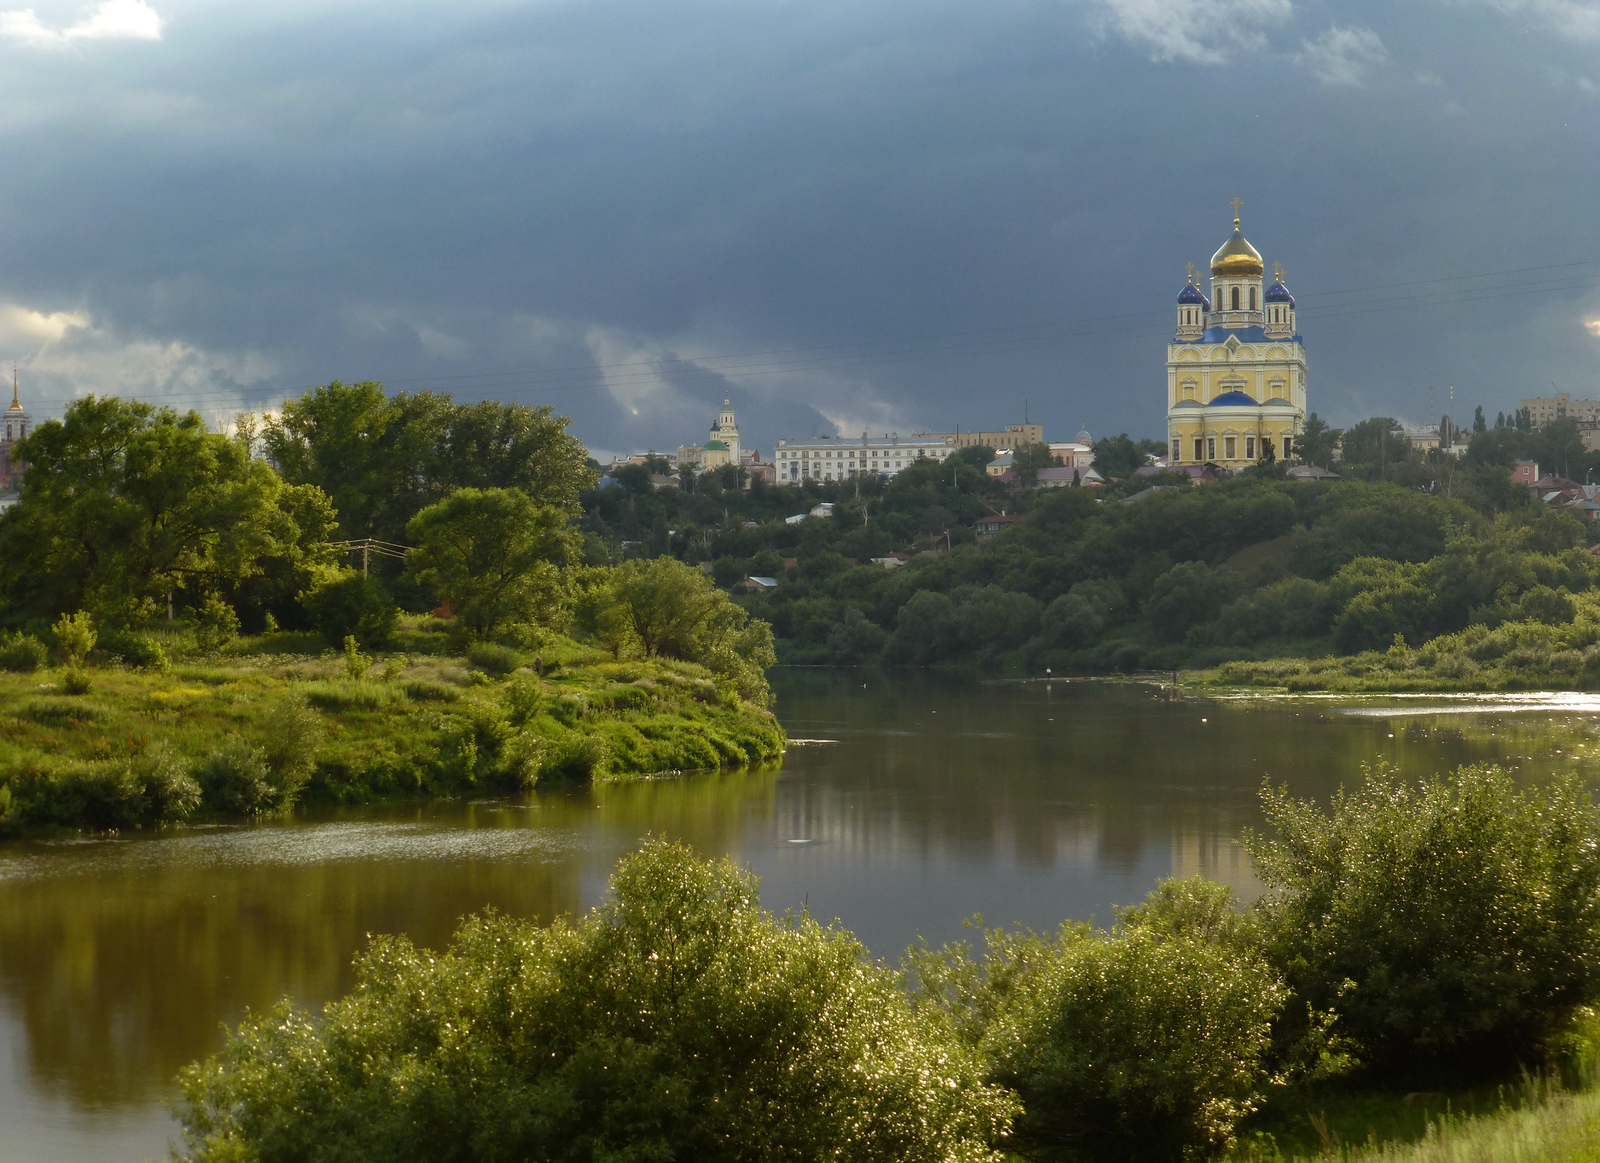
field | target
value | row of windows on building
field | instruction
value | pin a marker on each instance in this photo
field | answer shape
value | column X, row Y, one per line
column 825, row 463
column 1188, row 390
column 1205, row 448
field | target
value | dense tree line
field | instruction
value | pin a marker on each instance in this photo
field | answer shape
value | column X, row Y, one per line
column 1444, row 931
column 1409, row 543
column 1249, row 567
column 130, row 513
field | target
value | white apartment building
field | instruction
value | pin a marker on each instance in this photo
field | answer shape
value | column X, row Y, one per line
column 837, row 458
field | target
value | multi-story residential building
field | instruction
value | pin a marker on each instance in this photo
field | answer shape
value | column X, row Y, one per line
column 1015, row 436
column 837, row 458
column 1543, row 409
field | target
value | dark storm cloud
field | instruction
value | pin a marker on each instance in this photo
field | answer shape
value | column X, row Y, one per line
column 897, row 216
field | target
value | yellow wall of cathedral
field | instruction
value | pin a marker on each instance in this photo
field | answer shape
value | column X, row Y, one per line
column 1214, row 437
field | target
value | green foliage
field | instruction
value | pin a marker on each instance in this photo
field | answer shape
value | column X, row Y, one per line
column 1147, row 1042
column 854, row 639
column 75, row 635
column 1378, row 444
column 75, row 680
column 236, row 781
column 356, row 664
column 353, row 605
column 1317, row 441
column 574, row 758
column 215, row 624
column 674, row 611
column 495, row 554
column 135, row 649
column 384, row 459
column 678, row 1020
column 1186, row 594
column 125, row 504
column 152, row 787
column 293, row 734
column 22, row 653
column 242, row 780
column 493, row 659
column 1118, row 456
column 1455, row 921
column 979, row 622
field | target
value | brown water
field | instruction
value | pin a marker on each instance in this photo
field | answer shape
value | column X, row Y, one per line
column 930, row 800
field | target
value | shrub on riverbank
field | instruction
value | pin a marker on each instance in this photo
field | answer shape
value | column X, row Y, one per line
column 259, row 731
column 1427, row 934
column 676, row 1021
column 1149, row 1041
column 1455, row 922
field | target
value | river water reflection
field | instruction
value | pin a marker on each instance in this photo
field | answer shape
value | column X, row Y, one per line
column 921, row 802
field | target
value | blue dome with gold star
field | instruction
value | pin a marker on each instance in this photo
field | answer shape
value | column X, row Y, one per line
column 1191, row 294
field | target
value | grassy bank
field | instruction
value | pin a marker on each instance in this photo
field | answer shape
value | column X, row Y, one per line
column 277, row 719
column 1529, row 1123
column 1511, row 657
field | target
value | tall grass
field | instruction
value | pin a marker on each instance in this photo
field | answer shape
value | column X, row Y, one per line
column 1549, row 1126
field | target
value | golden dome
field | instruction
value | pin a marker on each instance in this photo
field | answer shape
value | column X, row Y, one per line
column 1236, row 257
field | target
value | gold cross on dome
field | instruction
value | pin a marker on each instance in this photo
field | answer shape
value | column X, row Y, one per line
column 1277, row 269
column 1190, row 267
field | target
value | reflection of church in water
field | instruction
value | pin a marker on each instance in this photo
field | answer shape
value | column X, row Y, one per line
column 18, row 424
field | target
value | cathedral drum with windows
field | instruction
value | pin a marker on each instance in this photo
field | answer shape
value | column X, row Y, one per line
column 1236, row 369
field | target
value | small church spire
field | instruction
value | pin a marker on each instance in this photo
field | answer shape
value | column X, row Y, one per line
column 16, row 404
column 1236, row 203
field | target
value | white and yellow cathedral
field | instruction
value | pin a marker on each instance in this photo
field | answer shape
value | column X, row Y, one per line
column 1236, row 369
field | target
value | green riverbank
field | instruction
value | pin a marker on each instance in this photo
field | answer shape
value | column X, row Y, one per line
column 277, row 720
column 1512, row 657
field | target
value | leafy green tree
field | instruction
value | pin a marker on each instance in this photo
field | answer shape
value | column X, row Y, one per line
column 854, row 639
column 1027, row 462
column 76, row 635
column 383, row 459
column 1479, row 424
column 1317, row 442
column 1144, row 1043
column 1185, row 595
column 355, row 606
column 977, row 455
column 676, row 1021
column 1454, row 921
column 1559, row 448
column 1118, row 456
column 496, row 555
column 674, row 610
column 1379, row 444
column 125, row 504
column 216, row 624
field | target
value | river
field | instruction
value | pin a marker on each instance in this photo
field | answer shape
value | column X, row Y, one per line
column 908, row 804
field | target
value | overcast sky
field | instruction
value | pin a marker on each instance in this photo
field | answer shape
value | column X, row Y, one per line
column 894, row 215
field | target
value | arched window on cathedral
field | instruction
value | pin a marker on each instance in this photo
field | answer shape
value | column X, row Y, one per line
column 1235, row 298
column 1252, row 298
